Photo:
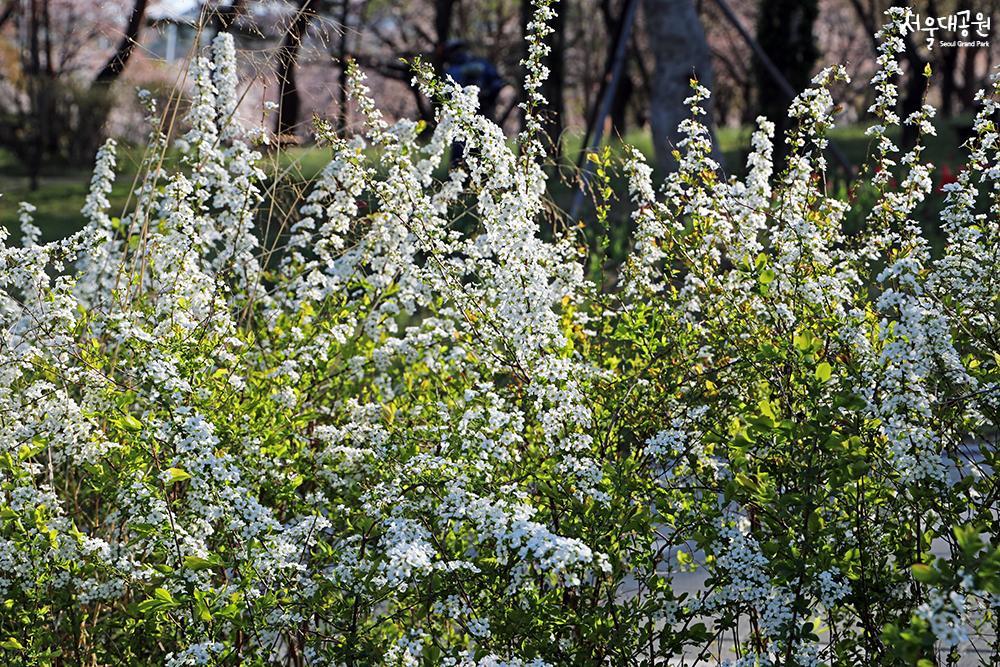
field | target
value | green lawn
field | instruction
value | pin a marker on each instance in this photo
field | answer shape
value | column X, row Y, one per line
column 62, row 190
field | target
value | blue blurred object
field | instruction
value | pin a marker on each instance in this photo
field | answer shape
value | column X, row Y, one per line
column 469, row 70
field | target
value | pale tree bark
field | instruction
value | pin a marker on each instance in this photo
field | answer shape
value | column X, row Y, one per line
column 680, row 52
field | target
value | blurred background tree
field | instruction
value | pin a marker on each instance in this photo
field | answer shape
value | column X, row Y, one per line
column 785, row 33
column 680, row 53
column 619, row 68
column 50, row 111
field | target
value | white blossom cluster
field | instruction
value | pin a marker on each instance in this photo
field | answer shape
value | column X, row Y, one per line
column 748, row 584
column 399, row 425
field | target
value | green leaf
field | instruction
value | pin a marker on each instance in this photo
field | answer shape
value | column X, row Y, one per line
column 38, row 443
column 925, row 574
column 747, row 482
column 12, row 644
column 767, row 277
column 162, row 599
column 198, row 563
column 968, row 539
column 699, row 631
column 178, row 475
column 147, row 607
column 130, row 423
column 201, row 607
column 823, row 372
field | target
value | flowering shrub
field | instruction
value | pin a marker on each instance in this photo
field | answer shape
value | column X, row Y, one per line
column 412, row 431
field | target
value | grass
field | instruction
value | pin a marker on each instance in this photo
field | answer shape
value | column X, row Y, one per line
column 62, row 190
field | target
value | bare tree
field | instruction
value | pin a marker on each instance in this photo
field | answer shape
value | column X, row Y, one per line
column 48, row 112
column 116, row 64
column 623, row 91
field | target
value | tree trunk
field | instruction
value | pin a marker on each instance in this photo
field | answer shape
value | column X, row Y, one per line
column 916, row 86
column 443, row 11
column 949, row 85
column 623, row 93
column 8, row 11
column 33, row 70
column 342, row 53
column 116, row 65
column 680, row 52
column 970, row 83
column 553, row 87
column 289, row 103
column 785, row 33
